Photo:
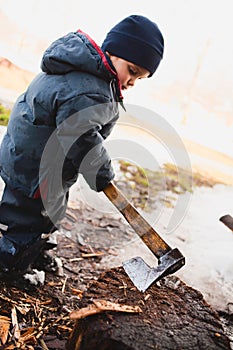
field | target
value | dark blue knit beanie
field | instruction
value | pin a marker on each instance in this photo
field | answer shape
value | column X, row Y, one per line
column 138, row 40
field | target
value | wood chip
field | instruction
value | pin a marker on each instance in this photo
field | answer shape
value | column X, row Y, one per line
column 23, row 309
column 73, row 205
column 43, row 345
column 4, row 328
column 15, row 324
column 64, row 285
column 10, row 347
column 77, row 292
column 91, row 255
column 101, row 306
column 70, row 216
column 147, row 297
column 29, row 334
column 76, row 259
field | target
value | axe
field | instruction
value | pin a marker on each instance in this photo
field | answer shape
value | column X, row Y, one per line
column 169, row 260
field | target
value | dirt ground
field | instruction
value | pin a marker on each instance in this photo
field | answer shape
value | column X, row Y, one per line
column 37, row 316
column 42, row 311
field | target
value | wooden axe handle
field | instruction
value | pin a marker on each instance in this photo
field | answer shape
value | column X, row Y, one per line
column 150, row 237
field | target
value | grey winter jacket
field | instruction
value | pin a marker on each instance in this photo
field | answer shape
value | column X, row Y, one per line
column 73, row 103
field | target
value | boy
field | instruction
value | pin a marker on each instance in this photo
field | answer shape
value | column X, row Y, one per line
column 74, row 102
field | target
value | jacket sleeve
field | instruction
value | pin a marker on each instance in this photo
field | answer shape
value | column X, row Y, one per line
column 82, row 125
column 107, row 129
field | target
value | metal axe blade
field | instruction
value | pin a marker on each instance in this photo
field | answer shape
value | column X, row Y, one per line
column 142, row 275
column 169, row 260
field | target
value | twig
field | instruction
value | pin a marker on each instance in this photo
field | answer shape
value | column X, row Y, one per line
column 76, row 259
column 92, row 255
column 43, row 345
column 124, row 286
column 64, row 285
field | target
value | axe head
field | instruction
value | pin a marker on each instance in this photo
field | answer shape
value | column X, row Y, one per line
column 142, row 275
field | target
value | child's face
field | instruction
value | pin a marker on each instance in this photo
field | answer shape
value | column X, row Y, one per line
column 128, row 73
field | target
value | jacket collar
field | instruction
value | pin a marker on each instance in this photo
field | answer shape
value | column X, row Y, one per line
column 107, row 63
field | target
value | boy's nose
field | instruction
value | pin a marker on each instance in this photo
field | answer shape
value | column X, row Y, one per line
column 131, row 82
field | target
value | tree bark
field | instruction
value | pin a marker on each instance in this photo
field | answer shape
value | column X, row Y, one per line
column 173, row 316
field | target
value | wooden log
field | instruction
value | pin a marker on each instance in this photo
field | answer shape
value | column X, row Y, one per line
column 228, row 221
column 173, row 316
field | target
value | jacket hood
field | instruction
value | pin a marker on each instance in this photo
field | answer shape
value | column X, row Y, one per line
column 76, row 51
